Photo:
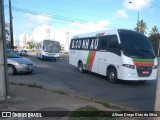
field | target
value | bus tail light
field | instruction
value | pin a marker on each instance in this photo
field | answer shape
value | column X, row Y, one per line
column 129, row 66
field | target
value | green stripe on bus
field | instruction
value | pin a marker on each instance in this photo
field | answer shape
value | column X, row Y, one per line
column 142, row 60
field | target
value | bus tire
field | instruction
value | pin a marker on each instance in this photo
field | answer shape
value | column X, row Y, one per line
column 112, row 75
column 80, row 67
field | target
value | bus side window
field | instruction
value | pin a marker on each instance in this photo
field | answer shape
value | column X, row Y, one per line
column 114, row 45
column 103, row 43
column 113, row 42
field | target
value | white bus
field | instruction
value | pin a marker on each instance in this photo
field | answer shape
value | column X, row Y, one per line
column 117, row 54
column 48, row 50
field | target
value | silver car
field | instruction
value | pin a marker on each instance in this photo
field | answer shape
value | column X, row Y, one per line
column 16, row 64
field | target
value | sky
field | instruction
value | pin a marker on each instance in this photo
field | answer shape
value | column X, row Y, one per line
column 81, row 16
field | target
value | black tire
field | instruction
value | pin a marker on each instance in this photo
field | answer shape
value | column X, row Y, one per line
column 112, row 75
column 80, row 67
column 11, row 70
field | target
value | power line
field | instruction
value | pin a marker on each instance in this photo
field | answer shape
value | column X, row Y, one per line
column 62, row 18
column 47, row 15
column 52, row 16
column 152, row 4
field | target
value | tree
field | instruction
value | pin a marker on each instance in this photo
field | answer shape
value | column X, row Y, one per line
column 154, row 38
column 141, row 26
column 154, row 31
column 30, row 45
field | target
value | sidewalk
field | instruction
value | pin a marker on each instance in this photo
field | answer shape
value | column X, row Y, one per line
column 24, row 98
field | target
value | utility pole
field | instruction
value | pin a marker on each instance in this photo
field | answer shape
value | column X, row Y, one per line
column 138, row 27
column 3, row 60
column 157, row 101
column 158, row 48
column 11, row 25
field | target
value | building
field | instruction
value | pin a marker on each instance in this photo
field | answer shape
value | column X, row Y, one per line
column 43, row 32
column 23, row 39
column 7, row 31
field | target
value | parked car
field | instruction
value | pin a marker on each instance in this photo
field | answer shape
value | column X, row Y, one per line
column 17, row 64
column 23, row 53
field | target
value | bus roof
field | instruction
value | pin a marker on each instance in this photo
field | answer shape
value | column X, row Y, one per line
column 99, row 33
column 49, row 40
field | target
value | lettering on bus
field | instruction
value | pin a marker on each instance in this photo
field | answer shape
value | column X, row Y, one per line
column 85, row 44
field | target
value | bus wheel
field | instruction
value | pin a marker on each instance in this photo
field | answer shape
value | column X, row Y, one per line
column 80, row 67
column 112, row 75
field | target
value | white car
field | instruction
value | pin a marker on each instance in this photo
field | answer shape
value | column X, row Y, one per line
column 17, row 64
column 23, row 53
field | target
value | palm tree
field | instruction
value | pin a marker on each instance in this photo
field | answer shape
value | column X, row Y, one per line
column 141, row 26
column 154, row 31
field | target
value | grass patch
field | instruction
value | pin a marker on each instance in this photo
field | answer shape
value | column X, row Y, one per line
column 88, row 113
column 104, row 103
column 60, row 92
column 34, row 85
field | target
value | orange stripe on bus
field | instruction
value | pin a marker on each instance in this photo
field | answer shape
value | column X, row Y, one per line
column 143, row 64
column 92, row 60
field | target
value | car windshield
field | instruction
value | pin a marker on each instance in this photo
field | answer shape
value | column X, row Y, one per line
column 12, row 54
column 136, row 44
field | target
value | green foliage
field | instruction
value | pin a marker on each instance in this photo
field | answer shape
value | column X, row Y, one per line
column 35, row 85
column 141, row 26
column 30, row 45
column 154, row 38
column 91, row 112
column 62, row 49
column 154, row 31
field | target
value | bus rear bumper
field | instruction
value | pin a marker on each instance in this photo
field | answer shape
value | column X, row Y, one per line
column 49, row 57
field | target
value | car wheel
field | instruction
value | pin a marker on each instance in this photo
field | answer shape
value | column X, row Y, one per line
column 11, row 70
column 80, row 67
column 112, row 75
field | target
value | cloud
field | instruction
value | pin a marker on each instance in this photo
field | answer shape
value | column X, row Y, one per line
column 89, row 26
column 136, row 4
column 121, row 14
column 39, row 19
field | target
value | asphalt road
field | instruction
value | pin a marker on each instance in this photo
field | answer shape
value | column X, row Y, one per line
column 61, row 75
